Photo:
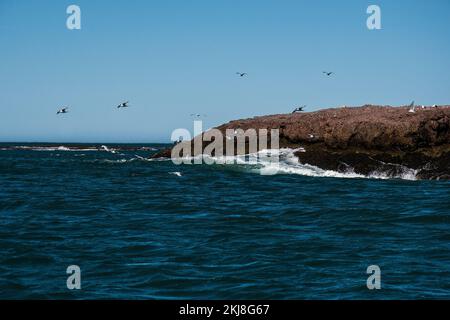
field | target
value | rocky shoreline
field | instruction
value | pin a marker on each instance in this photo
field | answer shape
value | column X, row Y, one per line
column 369, row 139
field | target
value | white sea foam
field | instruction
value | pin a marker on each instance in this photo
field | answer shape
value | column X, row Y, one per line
column 406, row 174
column 148, row 149
column 289, row 164
column 114, row 161
column 105, row 148
column 138, row 157
column 56, row 148
column 262, row 163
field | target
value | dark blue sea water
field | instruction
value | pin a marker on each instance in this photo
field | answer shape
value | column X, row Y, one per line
column 215, row 232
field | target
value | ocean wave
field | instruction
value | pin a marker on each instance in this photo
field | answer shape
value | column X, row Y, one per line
column 260, row 162
column 126, row 160
column 79, row 148
column 47, row 148
column 406, row 174
column 105, row 148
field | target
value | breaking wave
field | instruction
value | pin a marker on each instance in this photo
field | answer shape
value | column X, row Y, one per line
column 263, row 163
column 45, row 148
column 76, row 148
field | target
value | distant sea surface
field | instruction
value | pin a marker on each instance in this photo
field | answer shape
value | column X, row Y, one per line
column 141, row 229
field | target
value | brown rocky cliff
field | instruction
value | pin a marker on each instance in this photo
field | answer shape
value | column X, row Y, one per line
column 369, row 127
column 365, row 139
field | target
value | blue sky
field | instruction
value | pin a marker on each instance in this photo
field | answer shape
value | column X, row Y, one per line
column 172, row 58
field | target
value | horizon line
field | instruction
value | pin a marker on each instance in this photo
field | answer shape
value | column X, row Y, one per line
column 78, row 142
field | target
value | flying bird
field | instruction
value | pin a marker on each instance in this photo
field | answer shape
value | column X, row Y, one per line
column 328, row 73
column 123, row 105
column 412, row 107
column 197, row 115
column 299, row 109
column 241, row 74
column 63, row 110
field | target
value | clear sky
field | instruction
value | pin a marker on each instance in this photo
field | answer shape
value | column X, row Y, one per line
column 171, row 58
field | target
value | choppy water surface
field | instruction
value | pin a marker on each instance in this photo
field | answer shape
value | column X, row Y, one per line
column 143, row 229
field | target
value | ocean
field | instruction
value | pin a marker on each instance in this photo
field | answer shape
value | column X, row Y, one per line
column 149, row 229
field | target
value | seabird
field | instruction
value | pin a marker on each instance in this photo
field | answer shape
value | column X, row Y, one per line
column 328, row 73
column 311, row 136
column 198, row 115
column 123, row 105
column 63, row 110
column 241, row 74
column 299, row 109
column 412, row 107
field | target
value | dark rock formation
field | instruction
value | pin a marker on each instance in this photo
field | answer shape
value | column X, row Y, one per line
column 365, row 139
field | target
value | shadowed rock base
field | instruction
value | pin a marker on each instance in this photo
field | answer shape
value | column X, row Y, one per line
column 420, row 163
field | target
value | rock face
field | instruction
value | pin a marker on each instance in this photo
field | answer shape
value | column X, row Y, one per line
column 367, row 139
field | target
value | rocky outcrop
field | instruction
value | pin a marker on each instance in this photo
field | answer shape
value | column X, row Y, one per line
column 365, row 139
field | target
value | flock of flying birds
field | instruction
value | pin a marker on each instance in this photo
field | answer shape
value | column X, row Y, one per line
column 64, row 110
column 411, row 107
